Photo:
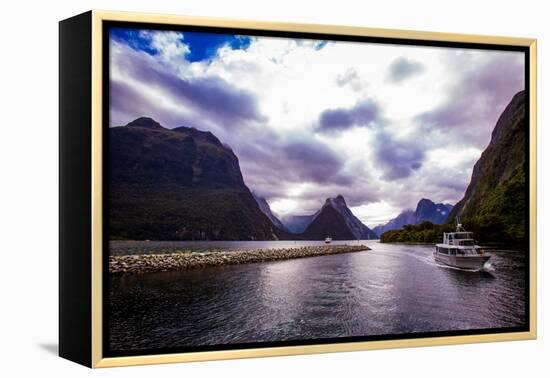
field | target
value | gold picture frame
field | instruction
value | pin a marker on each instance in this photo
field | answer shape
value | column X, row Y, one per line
column 95, row 19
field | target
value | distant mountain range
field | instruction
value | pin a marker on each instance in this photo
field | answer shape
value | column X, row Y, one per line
column 184, row 184
column 426, row 210
column 334, row 219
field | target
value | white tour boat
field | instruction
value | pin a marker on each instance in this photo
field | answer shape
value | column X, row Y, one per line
column 459, row 250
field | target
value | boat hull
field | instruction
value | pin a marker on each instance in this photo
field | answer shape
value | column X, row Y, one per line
column 463, row 262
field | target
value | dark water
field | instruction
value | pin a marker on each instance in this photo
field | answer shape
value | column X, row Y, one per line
column 392, row 289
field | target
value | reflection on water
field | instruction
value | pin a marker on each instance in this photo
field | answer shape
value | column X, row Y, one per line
column 391, row 289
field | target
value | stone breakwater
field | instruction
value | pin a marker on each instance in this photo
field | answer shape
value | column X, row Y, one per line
column 193, row 260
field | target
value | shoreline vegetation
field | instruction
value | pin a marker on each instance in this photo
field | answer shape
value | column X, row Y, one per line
column 492, row 235
column 187, row 260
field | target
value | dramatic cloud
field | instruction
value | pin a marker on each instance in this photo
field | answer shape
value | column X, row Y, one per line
column 477, row 97
column 294, row 160
column 362, row 114
column 403, row 68
column 398, row 158
column 313, row 163
column 383, row 125
column 212, row 96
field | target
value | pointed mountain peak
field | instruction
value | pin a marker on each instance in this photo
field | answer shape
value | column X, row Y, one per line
column 425, row 200
column 336, row 220
column 338, row 201
column 145, row 122
column 340, row 198
column 423, row 204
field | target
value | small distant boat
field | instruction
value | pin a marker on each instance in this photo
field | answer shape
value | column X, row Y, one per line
column 459, row 250
column 328, row 240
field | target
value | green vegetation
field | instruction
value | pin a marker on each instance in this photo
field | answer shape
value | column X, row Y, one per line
column 177, row 213
column 502, row 216
column 425, row 232
column 494, row 206
column 500, row 219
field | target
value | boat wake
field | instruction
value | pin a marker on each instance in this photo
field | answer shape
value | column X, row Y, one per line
column 444, row 266
column 487, row 269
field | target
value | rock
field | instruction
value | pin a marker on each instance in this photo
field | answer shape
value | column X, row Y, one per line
column 147, row 263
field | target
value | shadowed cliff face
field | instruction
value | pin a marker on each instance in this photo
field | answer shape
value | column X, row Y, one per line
column 179, row 184
column 495, row 201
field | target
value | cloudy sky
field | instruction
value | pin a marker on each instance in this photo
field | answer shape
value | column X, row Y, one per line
column 383, row 125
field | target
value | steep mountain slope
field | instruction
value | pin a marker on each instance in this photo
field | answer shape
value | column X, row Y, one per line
column 426, row 210
column 495, row 202
column 179, row 184
column 336, row 220
column 266, row 209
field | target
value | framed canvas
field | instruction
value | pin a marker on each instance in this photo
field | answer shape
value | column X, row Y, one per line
column 235, row 189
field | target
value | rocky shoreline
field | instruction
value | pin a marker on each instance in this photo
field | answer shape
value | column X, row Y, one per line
column 193, row 260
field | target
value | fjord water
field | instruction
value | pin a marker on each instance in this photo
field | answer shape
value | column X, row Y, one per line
column 391, row 289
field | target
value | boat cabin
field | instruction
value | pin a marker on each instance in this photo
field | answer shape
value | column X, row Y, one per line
column 458, row 238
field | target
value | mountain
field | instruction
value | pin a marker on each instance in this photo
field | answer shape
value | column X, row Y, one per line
column 264, row 207
column 404, row 218
column 297, row 223
column 495, row 202
column 336, row 220
column 426, row 210
column 178, row 184
column 146, row 123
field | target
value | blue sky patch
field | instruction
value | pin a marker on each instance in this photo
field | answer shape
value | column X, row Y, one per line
column 132, row 38
column 202, row 46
